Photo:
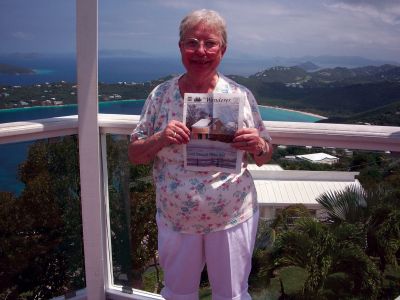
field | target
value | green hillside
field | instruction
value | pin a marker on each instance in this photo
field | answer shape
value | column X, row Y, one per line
column 329, row 100
column 366, row 94
column 282, row 74
column 338, row 93
column 388, row 115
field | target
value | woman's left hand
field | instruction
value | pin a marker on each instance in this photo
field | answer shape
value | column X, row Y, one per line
column 248, row 139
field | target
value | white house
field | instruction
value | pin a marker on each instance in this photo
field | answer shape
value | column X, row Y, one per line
column 320, row 158
column 278, row 188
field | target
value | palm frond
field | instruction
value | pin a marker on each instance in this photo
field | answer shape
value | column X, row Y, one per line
column 348, row 205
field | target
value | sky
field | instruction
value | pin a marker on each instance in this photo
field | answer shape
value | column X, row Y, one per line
column 256, row 29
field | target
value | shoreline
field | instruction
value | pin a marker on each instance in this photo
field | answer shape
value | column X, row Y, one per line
column 39, row 107
column 296, row 111
column 64, row 105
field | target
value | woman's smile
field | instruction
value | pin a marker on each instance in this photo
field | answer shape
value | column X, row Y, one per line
column 201, row 61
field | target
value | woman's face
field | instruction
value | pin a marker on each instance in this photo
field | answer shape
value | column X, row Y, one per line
column 201, row 61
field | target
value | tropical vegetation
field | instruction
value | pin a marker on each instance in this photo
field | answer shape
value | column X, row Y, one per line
column 41, row 251
column 353, row 254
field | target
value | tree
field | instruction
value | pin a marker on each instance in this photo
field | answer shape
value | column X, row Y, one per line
column 132, row 216
column 377, row 211
column 41, row 230
column 287, row 216
column 323, row 253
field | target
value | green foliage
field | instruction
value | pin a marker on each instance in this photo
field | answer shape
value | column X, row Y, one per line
column 132, row 215
column 61, row 91
column 306, row 246
column 363, row 224
column 41, row 230
column 376, row 211
column 138, row 91
column 327, row 99
column 151, row 281
column 324, row 252
column 143, row 226
column 348, row 205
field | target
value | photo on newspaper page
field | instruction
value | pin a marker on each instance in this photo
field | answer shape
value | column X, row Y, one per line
column 213, row 119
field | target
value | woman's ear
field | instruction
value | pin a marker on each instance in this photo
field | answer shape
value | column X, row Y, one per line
column 223, row 49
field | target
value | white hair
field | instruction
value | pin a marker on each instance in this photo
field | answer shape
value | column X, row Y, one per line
column 204, row 16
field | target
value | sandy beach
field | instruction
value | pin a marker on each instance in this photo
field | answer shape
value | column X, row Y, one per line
column 299, row 111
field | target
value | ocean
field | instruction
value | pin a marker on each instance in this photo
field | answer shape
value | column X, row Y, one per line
column 54, row 68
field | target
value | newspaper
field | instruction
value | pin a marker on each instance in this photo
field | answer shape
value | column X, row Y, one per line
column 213, row 120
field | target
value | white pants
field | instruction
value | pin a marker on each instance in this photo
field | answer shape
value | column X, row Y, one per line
column 227, row 254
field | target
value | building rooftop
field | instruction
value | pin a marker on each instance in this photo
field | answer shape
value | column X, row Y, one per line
column 284, row 187
column 316, row 157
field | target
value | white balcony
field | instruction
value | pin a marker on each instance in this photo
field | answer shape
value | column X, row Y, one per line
column 96, row 223
column 365, row 137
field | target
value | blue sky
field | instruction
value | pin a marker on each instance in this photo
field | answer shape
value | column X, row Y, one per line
column 258, row 28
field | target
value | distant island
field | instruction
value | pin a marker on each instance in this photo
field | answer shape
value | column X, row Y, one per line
column 14, row 70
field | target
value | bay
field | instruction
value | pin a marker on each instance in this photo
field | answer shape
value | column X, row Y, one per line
column 132, row 107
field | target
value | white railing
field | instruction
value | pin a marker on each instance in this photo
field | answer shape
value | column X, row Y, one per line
column 363, row 137
column 367, row 137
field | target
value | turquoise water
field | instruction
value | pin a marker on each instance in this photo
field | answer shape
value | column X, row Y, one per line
column 11, row 155
column 43, row 71
column 276, row 114
column 130, row 107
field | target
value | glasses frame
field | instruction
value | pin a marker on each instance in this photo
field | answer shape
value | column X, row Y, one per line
column 209, row 49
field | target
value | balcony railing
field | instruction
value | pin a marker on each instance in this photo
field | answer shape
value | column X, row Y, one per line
column 367, row 137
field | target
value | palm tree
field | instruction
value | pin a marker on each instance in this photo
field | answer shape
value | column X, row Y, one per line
column 349, row 205
column 324, row 252
column 306, row 245
column 377, row 211
column 286, row 218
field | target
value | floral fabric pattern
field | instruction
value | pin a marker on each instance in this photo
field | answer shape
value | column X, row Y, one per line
column 192, row 201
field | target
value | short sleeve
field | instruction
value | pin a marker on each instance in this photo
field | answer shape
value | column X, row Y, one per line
column 253, row 117
column 145, row 127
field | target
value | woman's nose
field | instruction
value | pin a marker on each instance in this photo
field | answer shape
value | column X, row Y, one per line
column 201, row 49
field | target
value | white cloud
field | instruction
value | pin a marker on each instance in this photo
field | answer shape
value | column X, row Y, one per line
column 126, row 34
column 383, row 11
column 22, row 36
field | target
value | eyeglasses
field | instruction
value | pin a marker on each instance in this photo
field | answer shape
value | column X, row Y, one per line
column 192, row 44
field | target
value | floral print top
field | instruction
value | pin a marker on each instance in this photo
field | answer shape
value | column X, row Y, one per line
column 193, row 201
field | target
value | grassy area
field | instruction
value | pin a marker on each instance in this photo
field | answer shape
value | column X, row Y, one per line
column 150, row 280
column 293, row 279
column 205, row 293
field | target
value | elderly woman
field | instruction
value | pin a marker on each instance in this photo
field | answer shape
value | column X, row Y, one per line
column 192, row 232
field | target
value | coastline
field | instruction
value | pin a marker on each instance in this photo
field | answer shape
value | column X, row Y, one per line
column 296, row 111
column 22, row 108
column 134, row 106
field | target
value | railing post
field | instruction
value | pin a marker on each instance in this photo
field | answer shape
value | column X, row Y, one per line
column 89, row 147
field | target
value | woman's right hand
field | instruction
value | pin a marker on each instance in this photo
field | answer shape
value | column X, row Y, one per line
column 175, row 133
column 143, row 151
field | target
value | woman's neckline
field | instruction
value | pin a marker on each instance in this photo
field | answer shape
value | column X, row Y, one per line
column 184, row 86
